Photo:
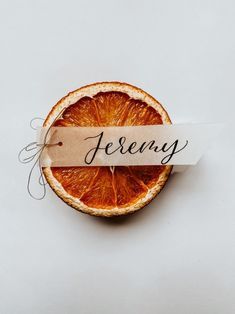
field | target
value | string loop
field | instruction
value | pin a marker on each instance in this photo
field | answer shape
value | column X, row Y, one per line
column 32, row 153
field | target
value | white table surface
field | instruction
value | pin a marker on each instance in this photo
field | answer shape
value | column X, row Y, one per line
column 177, row 255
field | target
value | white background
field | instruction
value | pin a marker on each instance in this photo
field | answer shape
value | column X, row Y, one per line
column 177, row 255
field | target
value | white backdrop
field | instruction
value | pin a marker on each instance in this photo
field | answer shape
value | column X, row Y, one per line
column 177, row 255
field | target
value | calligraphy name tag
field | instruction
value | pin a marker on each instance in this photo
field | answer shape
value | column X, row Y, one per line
column 178, row 144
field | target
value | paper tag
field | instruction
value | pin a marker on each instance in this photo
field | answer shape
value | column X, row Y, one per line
column 178, row 144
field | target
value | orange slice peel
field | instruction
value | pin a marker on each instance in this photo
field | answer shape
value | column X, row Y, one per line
column 107, row 191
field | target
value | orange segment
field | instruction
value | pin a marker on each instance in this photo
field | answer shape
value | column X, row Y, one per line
column 149, row 175
column 111, row 108
column 82, row 113
column 62, row 122
column 75, row 180
column 101, row 192
column 129, row 190
column 107, row 191
column 139, row 113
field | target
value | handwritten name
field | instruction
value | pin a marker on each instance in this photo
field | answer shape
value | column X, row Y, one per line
column 133, row 148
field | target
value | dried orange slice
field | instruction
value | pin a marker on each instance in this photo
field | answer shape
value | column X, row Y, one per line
column 107, row 191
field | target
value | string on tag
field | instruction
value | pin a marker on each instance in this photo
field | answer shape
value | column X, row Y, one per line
column 32, row 153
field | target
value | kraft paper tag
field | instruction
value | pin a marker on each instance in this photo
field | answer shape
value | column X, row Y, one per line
column 179, row 144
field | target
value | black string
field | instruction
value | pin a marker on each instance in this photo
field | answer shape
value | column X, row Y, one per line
column 37, row 149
